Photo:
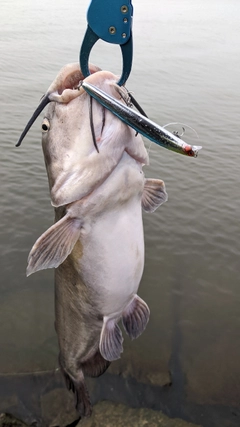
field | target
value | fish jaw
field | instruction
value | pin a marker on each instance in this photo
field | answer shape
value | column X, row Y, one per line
column 65, row 86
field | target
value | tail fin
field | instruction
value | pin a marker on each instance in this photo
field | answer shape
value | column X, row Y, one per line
column 78, row 387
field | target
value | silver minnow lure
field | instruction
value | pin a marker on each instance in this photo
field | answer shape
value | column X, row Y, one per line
column 141, row 124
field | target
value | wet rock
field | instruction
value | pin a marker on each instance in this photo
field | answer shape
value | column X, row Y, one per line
column 7, row 420
column 133, row 365
column 108, row 414
column 8, row 402
column 58, row 408
column 213, row 375
column 39, row 399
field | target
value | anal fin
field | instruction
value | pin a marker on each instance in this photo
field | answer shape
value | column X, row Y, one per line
column 111, row 340
column 154, row 194
column 135, row 317
column 54, row 246
column 95, row 365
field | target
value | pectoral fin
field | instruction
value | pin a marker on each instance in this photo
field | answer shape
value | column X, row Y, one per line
column 53, row 246
column 135, row 317
column 154, row 194
column 111, row 340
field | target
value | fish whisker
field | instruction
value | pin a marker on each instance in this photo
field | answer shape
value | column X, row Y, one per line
column 92, row 124
column 103, row 118
column 137, row 106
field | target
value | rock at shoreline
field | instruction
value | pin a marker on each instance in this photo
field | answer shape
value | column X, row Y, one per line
column 109, row 414
column 7, row 420
column 58, row 408
column 133, row 365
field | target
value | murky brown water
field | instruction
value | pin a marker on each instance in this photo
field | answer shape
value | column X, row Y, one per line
column 186, row 69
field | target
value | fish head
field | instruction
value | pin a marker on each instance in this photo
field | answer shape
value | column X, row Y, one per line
column 82, row 141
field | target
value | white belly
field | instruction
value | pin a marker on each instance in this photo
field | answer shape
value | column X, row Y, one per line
column 112, row 239
column 113, row 257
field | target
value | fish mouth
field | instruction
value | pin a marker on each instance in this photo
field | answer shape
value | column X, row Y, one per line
column 64, row 88
column 141, row 123
column 70, row 84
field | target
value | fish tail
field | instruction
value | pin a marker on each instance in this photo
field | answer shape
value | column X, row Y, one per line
column 78, row 387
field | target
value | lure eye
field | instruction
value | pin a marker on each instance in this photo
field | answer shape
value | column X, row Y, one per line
column 45, row 125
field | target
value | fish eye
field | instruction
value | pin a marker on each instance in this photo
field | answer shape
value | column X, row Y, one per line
column 45, row 125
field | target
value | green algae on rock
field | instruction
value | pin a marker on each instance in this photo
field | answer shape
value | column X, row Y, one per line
column 7, row 420
column 109, row 414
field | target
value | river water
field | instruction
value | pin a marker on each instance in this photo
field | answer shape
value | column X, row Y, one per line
column 185, row 70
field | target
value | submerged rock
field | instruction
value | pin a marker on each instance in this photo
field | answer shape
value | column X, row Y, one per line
column 133, row 365
column 109, row 414
column 58, row 408
column 7, row 420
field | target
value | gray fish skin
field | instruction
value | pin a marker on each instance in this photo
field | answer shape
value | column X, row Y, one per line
column 96, row 244
column 78, row 326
